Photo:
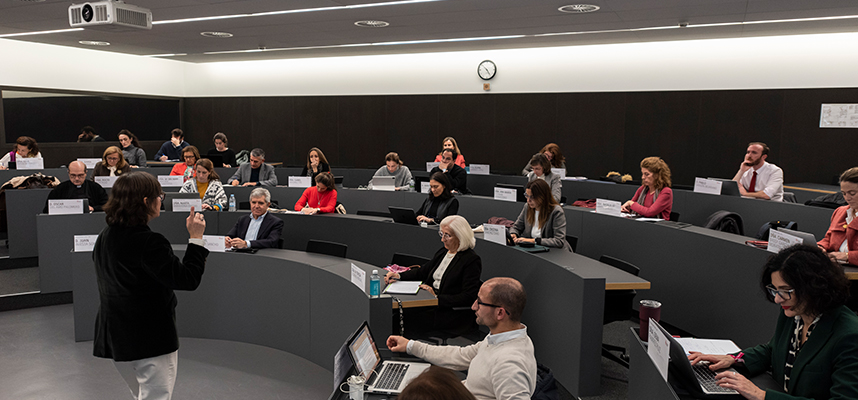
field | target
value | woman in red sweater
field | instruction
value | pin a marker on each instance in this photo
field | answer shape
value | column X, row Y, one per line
column 841, row 241
column 321, row 198
column 654, row 198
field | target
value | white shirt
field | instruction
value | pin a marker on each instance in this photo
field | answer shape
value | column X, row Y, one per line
column 850, row 215
column 770, row 180
column 253, row 228
column 536, row 231
column 439, row 272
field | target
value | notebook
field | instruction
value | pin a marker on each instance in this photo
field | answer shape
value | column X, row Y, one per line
column 390, row 377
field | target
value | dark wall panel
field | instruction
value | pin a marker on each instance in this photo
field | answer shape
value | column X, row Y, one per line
column 590, row 132
column 199, row 121
column 272, row 125
column 472, row 120
column 316, row 126
column 412, row 130
column 524, row 124
column 361, row 131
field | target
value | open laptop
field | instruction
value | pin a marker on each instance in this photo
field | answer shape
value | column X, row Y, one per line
column 697, row 379
column 386, row 183
column 403, row 215
column 216, row 159
column 807, row 239
column 519, row 190
column 729, row 187
column 391, row 376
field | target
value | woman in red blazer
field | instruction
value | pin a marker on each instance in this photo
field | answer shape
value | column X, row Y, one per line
column 321, row 198
column 841, row 240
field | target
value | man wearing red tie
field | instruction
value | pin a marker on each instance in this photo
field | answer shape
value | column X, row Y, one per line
column 757, row 178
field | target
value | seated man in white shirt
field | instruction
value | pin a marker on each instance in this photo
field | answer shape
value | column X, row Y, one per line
column 501, row 366
column 259, row 229
column 757, row 178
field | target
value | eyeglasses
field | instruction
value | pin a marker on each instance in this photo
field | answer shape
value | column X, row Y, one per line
column 527, row 196
column 192, row 157
column 445, row 235
column 783, row 293
column 162, row 196
column 491, row 305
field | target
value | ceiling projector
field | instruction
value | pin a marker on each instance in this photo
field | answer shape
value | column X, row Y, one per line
column 109, row 15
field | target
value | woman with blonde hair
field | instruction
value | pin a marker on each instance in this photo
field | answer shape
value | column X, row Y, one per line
column 450, row 143
column 112, row 163
column 654, row 198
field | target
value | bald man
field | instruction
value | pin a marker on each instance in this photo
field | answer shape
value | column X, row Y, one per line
column 78, row 187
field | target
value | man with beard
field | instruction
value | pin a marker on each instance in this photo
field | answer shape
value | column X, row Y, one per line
column 757, row 178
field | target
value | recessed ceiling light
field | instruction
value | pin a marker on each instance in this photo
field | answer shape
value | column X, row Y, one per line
column 32, row 1
column 94, row 43
column 372, row 24
column 579, row 8
column 217, row 34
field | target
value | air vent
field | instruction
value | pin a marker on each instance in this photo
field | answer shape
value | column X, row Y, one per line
column 217, row 34
column 579, row 8
column 131, row 17
column 74, row 13
column 372, row 24
column 100, row 13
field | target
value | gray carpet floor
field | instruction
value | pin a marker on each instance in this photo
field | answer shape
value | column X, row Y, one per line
column 19, row 280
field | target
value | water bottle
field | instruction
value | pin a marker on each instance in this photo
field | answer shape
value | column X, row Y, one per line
column 374, row 284
column 232, row 202
column 411, row 185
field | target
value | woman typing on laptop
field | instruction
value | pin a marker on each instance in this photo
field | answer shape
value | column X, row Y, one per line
column 814, row 351
column 842, row 235
column 440, row 203
column 394, row 168
column 542, row 221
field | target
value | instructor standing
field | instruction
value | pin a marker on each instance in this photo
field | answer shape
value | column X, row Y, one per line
column 137, row 273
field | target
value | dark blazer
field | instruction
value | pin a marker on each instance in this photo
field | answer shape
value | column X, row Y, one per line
column 96, row 194
column 459, row 287
column 267, row 177
column 458, row 178
column 137, row 273
column 445, row 208
column 269, row 232
column 308, row 172
column 825, row 368
column 553, row 233
column 101, row 170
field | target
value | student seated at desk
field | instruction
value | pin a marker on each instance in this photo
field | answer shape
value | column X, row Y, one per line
column 542, row 221
column 450, row 143
column 440, row 203
column 541, row 169
column 555, row 156
column 131, row 150
column 254, row 173
column 259, row 229
column 453, row 276
column 316, row 163
column 220, row 149
column 112, row 163
column 457, row 175
column 841, row 240
column 654, row 198
column 394, row 168
column 25, row 147
column 78, row 187
column 814, row 351
column 190, row 154
column 321, row 198
column 207, row 184
column 171, row 149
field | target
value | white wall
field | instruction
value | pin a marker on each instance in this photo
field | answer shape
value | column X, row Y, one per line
column 746, row 63
column 35, row 65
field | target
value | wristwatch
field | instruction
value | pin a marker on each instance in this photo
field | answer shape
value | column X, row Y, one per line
column 539, row 241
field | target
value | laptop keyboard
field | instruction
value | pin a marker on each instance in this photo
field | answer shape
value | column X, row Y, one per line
column 706, row 377
column 392, row 376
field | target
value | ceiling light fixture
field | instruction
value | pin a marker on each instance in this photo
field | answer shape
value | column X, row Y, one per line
column 334, row 46
column 217, row 34
column 40, row 32
column 166, row 55
column 94, row 43
column 370, row 23
column 579, row 8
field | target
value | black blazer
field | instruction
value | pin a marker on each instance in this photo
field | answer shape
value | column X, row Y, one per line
column 308, row 172
column 459, row 286
column 269, row 232
column 96, row 194
column 458, row 178
column 137, row 273
column 445, row 208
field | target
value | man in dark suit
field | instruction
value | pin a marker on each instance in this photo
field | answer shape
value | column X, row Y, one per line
column 258, row 230
column 457, row 175
column 78, row 187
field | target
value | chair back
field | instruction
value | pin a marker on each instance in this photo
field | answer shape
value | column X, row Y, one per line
column 620, row 264
column 573, row 241
column 328, row 248
column 674, row 216
column 407, row 260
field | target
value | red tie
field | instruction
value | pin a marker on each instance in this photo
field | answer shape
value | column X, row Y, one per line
column 753, row 187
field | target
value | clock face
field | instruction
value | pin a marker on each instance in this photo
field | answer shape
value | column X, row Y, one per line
column 487, row 70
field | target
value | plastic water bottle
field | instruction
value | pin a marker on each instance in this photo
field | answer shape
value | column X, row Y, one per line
column 411, row 185
column 374, row 284
column 232, row 202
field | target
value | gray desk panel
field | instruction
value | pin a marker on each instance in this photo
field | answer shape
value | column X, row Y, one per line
column 484, row 185
column 57, row 233
column 22, row 206
column 645, row 382
column 591, row 189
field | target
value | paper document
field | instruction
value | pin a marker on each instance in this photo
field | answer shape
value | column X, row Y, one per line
column 403, row 287
column 708, row 346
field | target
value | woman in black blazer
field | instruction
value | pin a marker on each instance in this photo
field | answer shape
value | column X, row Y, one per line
column 316, row 164
column 440, row 202
column 137, row 273
column 453, row 276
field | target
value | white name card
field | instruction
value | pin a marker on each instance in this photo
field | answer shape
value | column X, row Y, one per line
column 30, row 163
column 505, row 194
column 300, row 181
column 610, row 207
column 710, row 186
column 215, row 244
column 559, row 171
column 424, row 187
column 479, row 169
column 89, row 162
column 106, row 181
column 84, row 243
column 184, row 205
column 495, row 233
column 431, row 165
column 171, row 180
column 65, row 206
column 779, row 240
column 358, row 277
column 658, row 349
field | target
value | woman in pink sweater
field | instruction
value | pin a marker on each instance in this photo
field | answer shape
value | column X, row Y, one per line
column 654, row 198
column 321, row 198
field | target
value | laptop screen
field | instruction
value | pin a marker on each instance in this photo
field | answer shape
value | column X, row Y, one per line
column 363, row 351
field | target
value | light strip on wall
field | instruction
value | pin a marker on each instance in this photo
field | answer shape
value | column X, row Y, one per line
column 40, row 32
column 369, row 44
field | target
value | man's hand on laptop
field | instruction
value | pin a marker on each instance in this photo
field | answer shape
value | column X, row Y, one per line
column 397, row 343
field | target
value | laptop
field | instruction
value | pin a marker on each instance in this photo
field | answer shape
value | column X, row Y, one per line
column 729, row 187
column 403, row 215
column 698, row 378
column 807, row 238
column 391, row 376
column 386, row 183
column 216, row 159
column 519, row 190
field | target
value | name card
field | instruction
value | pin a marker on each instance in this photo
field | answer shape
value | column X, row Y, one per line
column 505, row 194
column 358, row 277
column 431, row 165
column 171, row 180
column 84, row 243
column 479, row 169
column 559, row 171
column 300, row 181
column 65, row 206
column 779, row 240
column 106, row 181
column 609, row 207
column 424, row 187
column 89, row 162
column 30, row 163
column 495, row 233
column 215, row 244
column 184, row 205
column 710, row 186
column 658, row 348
